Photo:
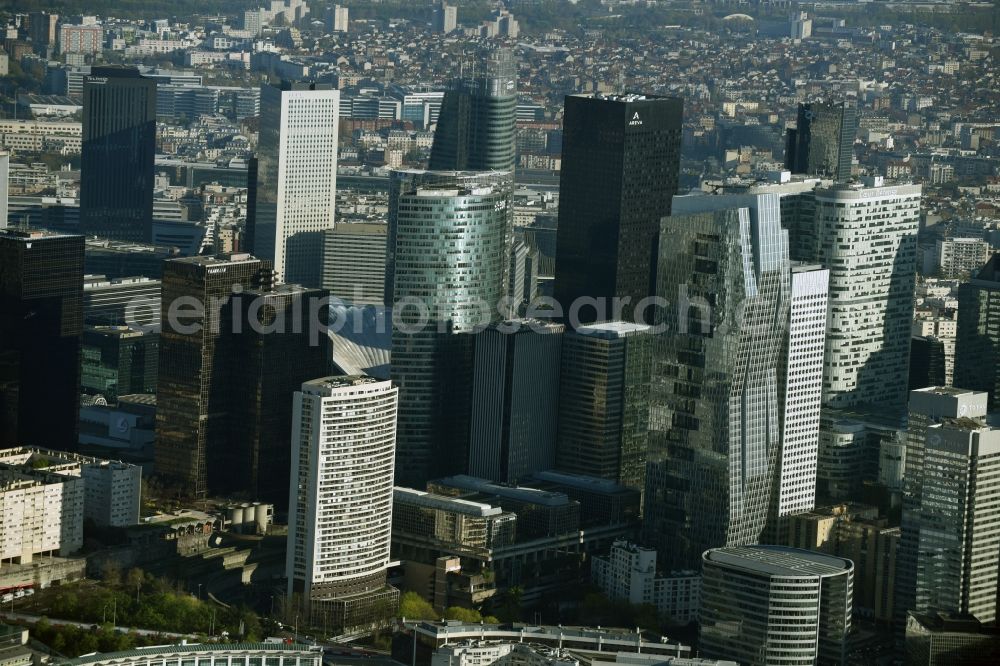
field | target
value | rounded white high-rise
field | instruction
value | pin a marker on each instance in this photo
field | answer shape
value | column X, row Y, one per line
column 340, row 505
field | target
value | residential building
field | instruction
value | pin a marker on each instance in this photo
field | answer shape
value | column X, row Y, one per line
column 295, row 189
column 86, row 39
column 628, row 572
column 340, row 504
column 961, row 257
column 445, row 18
column 764, row 605
column 604, row 402
column 621, row 157
column 43, row 513
column 41, row 293
column 111, row 493
column 119, row 146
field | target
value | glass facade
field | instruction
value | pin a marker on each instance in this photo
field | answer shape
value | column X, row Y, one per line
column 715, row 426
column 620, row 162
column 118, row 361
column 448, row 257
column 822, row 143
column 193, row 390
column 119, row 146
column 41, row 321
column 775, row 606
column 475, row 127
column 604, row 402
column 977, row 348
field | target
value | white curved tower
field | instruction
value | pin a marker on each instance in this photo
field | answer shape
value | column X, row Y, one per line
column 340, row 504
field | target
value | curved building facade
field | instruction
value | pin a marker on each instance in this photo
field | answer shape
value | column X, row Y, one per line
column 475, row 129
column 775, row 606
column 448, row 259
column 211, row 654
column 340, row 515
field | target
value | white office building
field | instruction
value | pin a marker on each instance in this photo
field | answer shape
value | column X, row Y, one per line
column 628, row 573
column 795, row 477
column 340, row 19
column 340, row 503
column 768, row 605
column 296, row 179
column 867, row 237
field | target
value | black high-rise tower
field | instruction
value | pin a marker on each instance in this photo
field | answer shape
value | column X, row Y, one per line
column 119, row 146
column 620, row 163
column 41, row 320
column 822, row 143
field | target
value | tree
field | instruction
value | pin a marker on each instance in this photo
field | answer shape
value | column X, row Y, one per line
column 462, row 614
column 414, row 607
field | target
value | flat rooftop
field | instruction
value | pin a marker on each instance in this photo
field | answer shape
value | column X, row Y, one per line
column 779, row 561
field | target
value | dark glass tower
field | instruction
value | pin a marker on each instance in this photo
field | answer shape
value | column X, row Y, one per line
column 270, row 365
column 977, row 344
column 475, row 129
column 41, row 301
column 822, row 143
column 119, row 145
column 212, row 438
column 196, row 349
column 621, row 157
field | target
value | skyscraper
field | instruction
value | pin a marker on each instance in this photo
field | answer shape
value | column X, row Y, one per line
column 604, row 402
column 768, row 605
column 193, row 389
column 475, row 128
column 977, row 347
column 715, row 416
column 446, row 254
column 620, row 157
column 872, row 279
column 340, row 504
column 445, row 18
column 354, row 263
column 822, row 143
column 927, row 407
column 119, row 146
column 41, row 295
column 801, row 397
column 515, row 394
column 958, row 562
column 269, row 362
column 4, row 187
column 295, row 191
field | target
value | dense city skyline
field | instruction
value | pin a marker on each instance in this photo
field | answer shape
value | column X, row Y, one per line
column 563, row 334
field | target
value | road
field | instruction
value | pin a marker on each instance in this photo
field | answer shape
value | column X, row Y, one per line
column 88, row 625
